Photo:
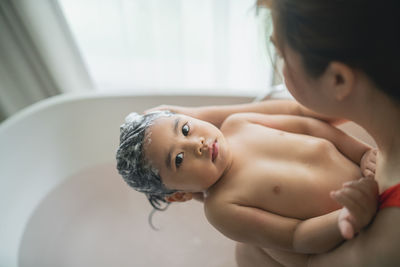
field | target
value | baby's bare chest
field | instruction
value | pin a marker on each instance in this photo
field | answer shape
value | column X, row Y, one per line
column 288, row 174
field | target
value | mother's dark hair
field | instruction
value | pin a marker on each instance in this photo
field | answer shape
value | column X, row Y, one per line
column 363, row 34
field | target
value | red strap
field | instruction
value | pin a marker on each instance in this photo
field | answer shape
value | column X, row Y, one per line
column 390, row 198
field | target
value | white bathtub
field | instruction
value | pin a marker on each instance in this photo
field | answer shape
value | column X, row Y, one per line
column 63, row 203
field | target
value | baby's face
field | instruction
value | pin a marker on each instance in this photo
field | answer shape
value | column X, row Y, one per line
column 190, row 154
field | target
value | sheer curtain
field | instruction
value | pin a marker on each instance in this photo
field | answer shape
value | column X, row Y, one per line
column 172, row 46
column 38, row 57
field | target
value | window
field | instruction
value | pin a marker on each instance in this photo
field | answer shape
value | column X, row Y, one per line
column 172, row 46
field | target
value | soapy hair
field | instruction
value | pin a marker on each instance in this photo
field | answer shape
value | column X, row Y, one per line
column 131, row 163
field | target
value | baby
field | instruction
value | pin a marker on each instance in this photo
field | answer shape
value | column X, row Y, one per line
column 267, row 178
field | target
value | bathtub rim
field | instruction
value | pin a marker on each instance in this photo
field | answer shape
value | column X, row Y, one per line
column 95, row 94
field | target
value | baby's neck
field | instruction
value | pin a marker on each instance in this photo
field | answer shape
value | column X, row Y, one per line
column 220, row 180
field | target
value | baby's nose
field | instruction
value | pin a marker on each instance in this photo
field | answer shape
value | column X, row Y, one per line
column 201, row 146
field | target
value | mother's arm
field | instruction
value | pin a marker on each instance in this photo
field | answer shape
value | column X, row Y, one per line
column 377, row 245
column 217, row 114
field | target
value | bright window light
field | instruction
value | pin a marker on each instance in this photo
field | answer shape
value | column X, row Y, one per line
column 172, row 46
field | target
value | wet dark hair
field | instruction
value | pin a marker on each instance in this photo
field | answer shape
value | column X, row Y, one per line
column 131, row 163
column 362, row 34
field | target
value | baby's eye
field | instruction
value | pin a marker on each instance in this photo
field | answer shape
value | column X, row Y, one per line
column 179, row 160
column 185, row 129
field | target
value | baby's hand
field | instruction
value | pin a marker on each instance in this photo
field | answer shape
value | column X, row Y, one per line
column 368, row 163
column 360, row 201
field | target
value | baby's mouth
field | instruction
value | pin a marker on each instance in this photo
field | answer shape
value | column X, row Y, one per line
column 214, row 150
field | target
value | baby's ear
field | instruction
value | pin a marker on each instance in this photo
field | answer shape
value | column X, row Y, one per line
column 179, row 197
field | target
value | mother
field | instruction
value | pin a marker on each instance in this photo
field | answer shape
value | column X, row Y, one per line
column 341, row 59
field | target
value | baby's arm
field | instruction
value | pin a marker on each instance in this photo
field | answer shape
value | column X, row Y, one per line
column 352, row 148
column 264, row 229
column 315, row 235
column 217, row 114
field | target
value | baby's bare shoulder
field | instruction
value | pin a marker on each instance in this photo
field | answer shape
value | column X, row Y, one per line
column 216, row 199
column 214, row 205
column 233, row 122
column 221, row 212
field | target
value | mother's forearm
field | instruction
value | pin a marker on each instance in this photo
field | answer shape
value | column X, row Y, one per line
column 217, row 114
